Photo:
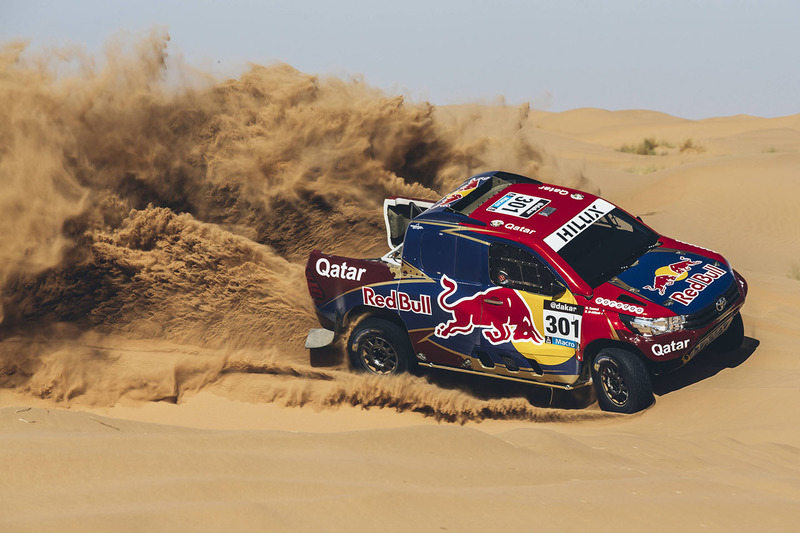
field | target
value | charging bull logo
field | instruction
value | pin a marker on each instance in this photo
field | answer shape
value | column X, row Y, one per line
column 461, row 192
column 510, row 319
column 667, row 275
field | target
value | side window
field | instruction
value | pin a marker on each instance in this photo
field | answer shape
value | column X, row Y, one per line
column 437, row 252
column 513, row 267
column 459, row 258
column 470, row 261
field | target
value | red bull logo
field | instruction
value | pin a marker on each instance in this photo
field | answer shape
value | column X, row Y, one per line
column 509, row 320
column 697, row 284
column 397, row 300
column 461, row 192
column 667, row 275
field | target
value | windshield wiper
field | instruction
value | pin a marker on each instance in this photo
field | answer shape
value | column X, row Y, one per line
column 606, row 275
column 651, row 246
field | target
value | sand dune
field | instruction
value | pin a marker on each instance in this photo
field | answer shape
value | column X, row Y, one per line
column 152, row 373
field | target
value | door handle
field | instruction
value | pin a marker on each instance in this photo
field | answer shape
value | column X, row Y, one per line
column 492, row 301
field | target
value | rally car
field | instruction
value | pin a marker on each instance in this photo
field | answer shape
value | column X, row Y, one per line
column 510, row 277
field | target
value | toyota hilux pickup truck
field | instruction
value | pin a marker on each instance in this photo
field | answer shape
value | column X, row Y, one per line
column 516, row 279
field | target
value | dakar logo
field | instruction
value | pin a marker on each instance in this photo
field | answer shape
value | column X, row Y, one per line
column 667, row 275
column 510, row 318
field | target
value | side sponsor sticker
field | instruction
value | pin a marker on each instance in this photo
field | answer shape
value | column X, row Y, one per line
column 638, row 310
column 577, row 224
column 397, row 300
column 562, row 323
column 674, row 346
column 338, row 270
column 518, row 205
column 510, row 320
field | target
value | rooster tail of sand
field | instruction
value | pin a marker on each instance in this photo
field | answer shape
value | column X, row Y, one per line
column 178, row 214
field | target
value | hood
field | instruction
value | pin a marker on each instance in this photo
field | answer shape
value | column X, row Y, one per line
column 685, row 282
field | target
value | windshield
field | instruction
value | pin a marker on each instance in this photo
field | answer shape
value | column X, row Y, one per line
column 609, row 246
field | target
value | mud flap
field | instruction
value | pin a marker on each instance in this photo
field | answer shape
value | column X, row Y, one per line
column 319, row 338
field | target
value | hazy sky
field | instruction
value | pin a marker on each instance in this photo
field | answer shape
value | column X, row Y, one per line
column 693, row 59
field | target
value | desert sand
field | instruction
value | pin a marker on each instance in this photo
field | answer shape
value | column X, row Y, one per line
column 152, row 370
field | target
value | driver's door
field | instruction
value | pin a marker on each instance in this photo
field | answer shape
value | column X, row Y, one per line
column 533, row 322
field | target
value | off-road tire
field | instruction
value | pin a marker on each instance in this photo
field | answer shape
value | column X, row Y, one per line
column 377, row 346
column 621, row 381
column 733, row 336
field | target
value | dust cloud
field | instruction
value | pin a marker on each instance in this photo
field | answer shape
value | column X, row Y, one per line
column 156, row 222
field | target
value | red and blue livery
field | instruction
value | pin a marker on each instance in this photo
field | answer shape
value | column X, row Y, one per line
column 513, row 278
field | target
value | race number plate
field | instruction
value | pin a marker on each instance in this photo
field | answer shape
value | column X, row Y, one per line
column 562, row 323
column 518, row 205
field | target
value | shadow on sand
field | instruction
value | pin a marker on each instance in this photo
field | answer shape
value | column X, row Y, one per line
column 478, row 386
column 707, row 363
column 488, row 388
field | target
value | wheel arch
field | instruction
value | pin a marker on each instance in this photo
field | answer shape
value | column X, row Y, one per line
column 392, row 333
column 598, row 345
column 359, row 313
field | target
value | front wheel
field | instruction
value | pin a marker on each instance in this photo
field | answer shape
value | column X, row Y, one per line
column 621, row 381
column 379, row 347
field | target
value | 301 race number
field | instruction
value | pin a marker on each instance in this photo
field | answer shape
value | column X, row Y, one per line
column 518, row 205
column 562, row 323
column 562, row 326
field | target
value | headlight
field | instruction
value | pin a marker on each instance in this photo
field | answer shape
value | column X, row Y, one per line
column 654, row 326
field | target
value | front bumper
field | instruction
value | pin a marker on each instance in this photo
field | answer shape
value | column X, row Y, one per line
column 672, row 350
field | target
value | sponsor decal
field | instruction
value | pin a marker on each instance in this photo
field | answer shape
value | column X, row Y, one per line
column 556, row 190
column 338, row 270
column 562, row 323
column 521, row 229
column 518, row 205
column 577, row 224
column 399, row 301
column 697, row 284
column 496, row 223
column 415, row 226
column 510, row 319
column 576, row 196
column 619, row 305
column 461, row 192
column 562, row 306
column 667, row 275
column 674, row 346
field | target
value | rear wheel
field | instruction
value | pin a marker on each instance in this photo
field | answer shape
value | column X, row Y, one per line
column 621, row 381
column 379, row 347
